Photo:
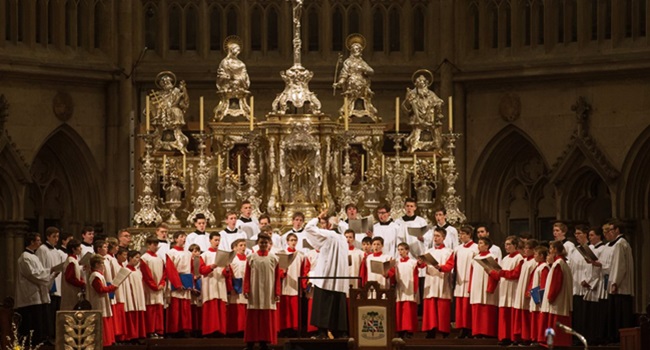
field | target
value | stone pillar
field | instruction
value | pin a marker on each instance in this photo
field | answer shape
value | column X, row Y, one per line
column 13, row 233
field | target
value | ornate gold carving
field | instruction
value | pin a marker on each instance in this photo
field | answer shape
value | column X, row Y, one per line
column 79, row 330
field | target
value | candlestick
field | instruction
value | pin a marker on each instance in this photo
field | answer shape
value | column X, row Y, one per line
column 415, row 163
column 451, row 114
column 345, row 113
column 164, row 165
column 239, row 166
column 148, row 113
column 219, row 165
column 184, row 165
column 383, row 166
column 201, row 114
column 363, row 165
column 252, row 118
column 435, row 162
column 396, row 115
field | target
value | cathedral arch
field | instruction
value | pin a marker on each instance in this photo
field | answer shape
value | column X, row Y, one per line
column 66, row 189
column 217, row 27
column 635, row 195
column 511, row 172
column 312, row 28
column 586, row 197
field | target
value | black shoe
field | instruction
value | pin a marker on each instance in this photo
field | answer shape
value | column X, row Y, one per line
column 504, row 342
column 444, row 335
column 431, row 334
column 408, row 335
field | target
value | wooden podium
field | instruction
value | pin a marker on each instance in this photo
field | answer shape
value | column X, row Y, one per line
column 372, row 317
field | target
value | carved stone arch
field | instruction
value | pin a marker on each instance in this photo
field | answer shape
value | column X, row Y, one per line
column 64, row 174
column 586, row 197
column 511, row 154
column 14, row 175
column 635, row 194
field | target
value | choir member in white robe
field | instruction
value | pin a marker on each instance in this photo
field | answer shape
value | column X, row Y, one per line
column 483, row 294
column 99, row 299
column 154, row 278
column 117, row 256
column 309, row 267
column 351, row 213
column 537, row 280
column 560, row 230
column 406, row 291
column 236, row 309
column 465, row 254
column 163, row 240
column 508, row 277
column 214, row 290
column 596, row 295
column 136, row 305
column 87, row 238
column 621, row 283
column 73, row 281
column 246, row 221
column 50, row 256
column 199, row 236
column 178, row 265
column 288, row 312
column 366, row 273
column 329, row 294
column 451, row 240
column 297, row 223
column 581, row 271
column 355, row 258
column 262, row 288
column 231, row 233
column 558, row 295
column 483, row 231
column 521, row 304
column 436, row 314
column 33, row 283
column 387, row 229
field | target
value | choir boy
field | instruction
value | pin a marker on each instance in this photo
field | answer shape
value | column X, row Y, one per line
column 581, row 272
column 451, row 240
column 246, row 219
column 179, row 272
column 355, row 257
column 352, row 213
column 366, row 246
column 99, row 299
column 436, row 312
column 417, row 245
column 483, row 294
column 290, row 286
column 136, row 305
column 262, row 288
column 269, row 231
column 87, row 238
column 73, row 281
column 197, row 301
column 537, row 281
column 154, row 278
column 596, row 295
column 521, row 303
column 118, row 300
column 556, row 303
column 387, row 229
column 124, row 238
column 621, row 282
column 483, row 231
column 50, row 257
column 559, row 233
column 236, row 309
column 231, row 233
column 276, row 238
column 406, row 287
column 64, row 238
column 508, row 277
column 163, row 245
column 199, row 236
column 366, row 273
column 465, row 254
column 213, row 290
column 297, row 228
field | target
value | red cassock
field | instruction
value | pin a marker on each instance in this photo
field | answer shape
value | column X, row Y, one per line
column 262, row 283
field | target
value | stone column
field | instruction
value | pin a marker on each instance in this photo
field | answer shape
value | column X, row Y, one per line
column 13, row 233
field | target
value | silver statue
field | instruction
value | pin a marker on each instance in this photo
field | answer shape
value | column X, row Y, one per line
column 424, row 108
column 232, row 83
column 297, row 78
column 354, row 80
column 169, row 105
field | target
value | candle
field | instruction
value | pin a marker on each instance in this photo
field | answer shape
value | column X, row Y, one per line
column 164, row 165
column 415, row 163
column 239, row 166
column 397, row 115
column 383, row 166
column 363, row 165
column 345, row 112
column 451, row 114
column 219, row 165
column 252, row 118
column 435, row 162
column 148, row 113
column 184, row 165
column 201, row 114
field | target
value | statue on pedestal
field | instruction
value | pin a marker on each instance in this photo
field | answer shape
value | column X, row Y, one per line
column 232, row 83
column 354, row 80
column 169, row 105
column 424, row 109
